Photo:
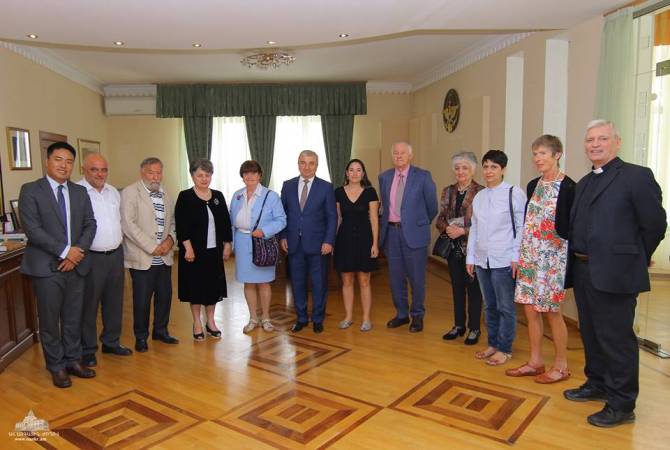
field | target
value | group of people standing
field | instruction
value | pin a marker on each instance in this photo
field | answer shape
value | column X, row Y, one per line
column 510, row 247
column 507, row 246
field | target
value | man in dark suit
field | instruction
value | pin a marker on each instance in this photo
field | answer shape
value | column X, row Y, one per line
column 617, row 221
column 311, row 223
column 58, row 220
column 409, row 202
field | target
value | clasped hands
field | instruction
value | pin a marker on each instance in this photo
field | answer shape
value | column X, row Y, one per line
column 74, row 256
column 325, row 248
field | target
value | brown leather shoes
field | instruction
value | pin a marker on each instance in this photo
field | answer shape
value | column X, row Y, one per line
column 80, row 371
column 61, row 379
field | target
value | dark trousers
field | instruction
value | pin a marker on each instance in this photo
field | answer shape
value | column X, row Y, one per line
column 104, row 287
column 154, row 282
column 461, row 283
column 610, row 346
column 405, row 264
column 302, row 265
column 59, row 305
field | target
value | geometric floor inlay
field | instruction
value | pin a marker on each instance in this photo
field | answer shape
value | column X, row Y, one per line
column 291, row 355
column 298, row 416
column 283, row 317
column 133, row 419
column 494, row 411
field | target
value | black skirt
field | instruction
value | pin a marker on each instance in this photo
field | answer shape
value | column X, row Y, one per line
column 202, row 282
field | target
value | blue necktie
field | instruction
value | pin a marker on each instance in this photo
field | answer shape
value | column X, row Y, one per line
column 63, row 209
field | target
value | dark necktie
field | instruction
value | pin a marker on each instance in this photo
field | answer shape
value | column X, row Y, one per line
column 63, row 209
column 303, row 194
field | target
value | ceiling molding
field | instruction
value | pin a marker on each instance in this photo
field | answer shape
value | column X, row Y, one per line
column 45, row 58
column 130, row 90
column 466, row 59
column 388, row 87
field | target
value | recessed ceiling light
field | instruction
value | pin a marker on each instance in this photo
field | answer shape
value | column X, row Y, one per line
column 119, row 43
column 343, row 35
column 271, row 42
column 32, row 36
column 197, row 45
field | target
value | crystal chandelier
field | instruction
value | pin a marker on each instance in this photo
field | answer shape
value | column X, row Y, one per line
column 265, row 60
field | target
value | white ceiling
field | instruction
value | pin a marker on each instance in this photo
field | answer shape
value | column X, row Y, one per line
column 390, row 40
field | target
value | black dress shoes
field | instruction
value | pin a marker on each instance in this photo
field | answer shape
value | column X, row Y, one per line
column 417, row 325
column 165, row 338
column 141, row 345
column 454, row 333
column 213, row 333
column 318, row 327
column 89, row 360
column 610, row 417
column 61, row 379
column 397, row 322
column 298, row 326
column 80, row 371
column 585, row 393
column 472, row 337
column 118, row 350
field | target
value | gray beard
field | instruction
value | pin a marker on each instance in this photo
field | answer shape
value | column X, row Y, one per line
column 153, row 187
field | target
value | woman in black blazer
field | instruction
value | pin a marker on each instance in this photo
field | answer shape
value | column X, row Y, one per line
column 204, row 235
column 544, row 260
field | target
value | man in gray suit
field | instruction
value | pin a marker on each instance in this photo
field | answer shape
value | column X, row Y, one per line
column 58, row 220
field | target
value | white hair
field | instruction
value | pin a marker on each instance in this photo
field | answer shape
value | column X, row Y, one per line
column 409, row 146
column 597, row 123
column 309, row 153
column 467, row 157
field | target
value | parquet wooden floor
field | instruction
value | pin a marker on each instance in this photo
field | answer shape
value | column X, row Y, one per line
column 342, row 389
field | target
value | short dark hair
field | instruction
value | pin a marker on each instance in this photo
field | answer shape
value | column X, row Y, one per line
column 495, row 156
column 551, row 142
column 365, row 182
column 150, row 161
column 61, row 146
column 250, row 166
column 203, row 164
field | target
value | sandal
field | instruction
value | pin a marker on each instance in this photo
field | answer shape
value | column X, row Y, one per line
column 267, row 325
column 526, row 370
column 553, row 375
column 499, row 362
column 486, row 353
column 248, row 328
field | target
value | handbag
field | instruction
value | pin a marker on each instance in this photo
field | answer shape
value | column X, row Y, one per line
column 264, row 252
column 443, row 246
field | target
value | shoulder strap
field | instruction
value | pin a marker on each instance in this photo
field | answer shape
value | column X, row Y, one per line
column 511, row 211
column 261, row 211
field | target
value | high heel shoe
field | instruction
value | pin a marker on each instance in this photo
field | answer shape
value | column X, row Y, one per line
column 213, row 333
column 199, row 336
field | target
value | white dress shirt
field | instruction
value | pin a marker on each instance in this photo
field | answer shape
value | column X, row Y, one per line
column 66, row 193
column 211, row 229
column 107, row 211
column 491, row 243
column 301, row 183
column 243, row 218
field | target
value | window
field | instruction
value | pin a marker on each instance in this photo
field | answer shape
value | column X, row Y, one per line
column 294, row 134
column 230, row 148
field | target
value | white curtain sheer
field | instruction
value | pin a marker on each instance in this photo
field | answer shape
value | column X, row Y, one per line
column 230, row 148
column 294, row 134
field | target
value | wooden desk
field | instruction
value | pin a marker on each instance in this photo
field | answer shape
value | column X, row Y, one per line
column 18, row 311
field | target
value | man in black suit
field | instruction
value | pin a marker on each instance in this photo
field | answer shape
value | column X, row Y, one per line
column 617, row 221
column 58, row 220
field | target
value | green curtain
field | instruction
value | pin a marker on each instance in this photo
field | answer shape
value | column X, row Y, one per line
column 615, row 98
column 198, row 136
column 261, row 136
column 338, row 134
column 228, row 100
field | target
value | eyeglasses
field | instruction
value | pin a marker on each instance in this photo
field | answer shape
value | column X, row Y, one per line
column 97, row 170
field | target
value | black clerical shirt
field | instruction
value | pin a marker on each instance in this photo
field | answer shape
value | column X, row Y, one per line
column 581, row 219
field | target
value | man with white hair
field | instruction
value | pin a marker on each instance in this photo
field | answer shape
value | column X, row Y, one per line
column 409, row 200
column 616, row 223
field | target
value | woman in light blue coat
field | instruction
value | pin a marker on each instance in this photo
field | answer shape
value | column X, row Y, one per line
column 245, row 209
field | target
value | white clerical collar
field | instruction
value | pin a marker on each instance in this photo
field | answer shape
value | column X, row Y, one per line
column 598, row 171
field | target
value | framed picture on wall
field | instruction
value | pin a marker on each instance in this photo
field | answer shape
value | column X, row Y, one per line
column 18, row 144
column 86, row 147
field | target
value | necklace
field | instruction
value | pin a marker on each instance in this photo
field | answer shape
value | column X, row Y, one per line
column 461, row 191
column 558, row 177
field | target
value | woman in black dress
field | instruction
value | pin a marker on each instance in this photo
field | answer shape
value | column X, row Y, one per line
column 356, row 247
column 204, row 234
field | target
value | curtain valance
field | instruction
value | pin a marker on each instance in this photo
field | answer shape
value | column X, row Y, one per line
column 226, row 100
